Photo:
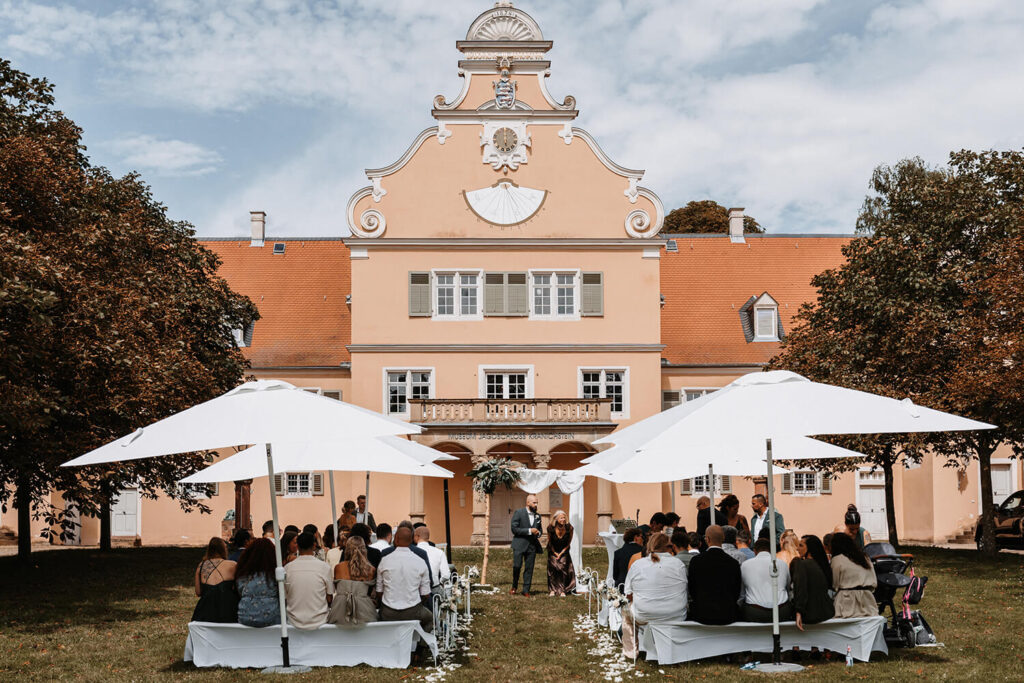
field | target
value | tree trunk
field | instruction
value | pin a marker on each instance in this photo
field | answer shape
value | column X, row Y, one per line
column 23, row 499
column 487, row 537
column 890, row 502
column 105, row 517
column 988, row 529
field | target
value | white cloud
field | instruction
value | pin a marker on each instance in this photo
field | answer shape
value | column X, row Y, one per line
column 174, row 158
column 761, row 104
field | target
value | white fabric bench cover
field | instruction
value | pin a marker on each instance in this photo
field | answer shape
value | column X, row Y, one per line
column 686, row 641
column 387, row 644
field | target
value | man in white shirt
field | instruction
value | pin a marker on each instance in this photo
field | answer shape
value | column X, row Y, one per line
column 308, row 586
column 403, row 580
column 383, row 541
column 656, row 587
column 438, row 560
column 759, row 521
column 757, row 586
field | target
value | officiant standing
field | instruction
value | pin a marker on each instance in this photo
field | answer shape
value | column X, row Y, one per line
column 526, row 529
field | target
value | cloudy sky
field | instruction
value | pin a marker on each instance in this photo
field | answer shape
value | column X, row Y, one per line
column 781, row 106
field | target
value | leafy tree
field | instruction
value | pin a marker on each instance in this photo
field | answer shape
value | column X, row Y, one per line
column 704, row 216
column 487, row 476
column 111, row 316
column 924, row 307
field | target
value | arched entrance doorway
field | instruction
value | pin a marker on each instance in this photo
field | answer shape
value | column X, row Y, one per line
column 460, row 495
column 504, row 502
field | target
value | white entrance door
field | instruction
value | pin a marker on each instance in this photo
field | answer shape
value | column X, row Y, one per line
column 1002, row 482
column 871, row 505
column 124, row 513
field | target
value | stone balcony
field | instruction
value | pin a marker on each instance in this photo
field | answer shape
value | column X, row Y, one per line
column 524, row 412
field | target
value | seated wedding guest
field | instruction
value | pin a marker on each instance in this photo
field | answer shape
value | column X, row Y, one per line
column 788, row 546
column 561, row 573
column 695, row 542
column 348, row 514
column 416, row 550
column 320, row 552
column 757, row 586
column 729, row 544
column 715, row 582
column 812, row 577
column 826, row 541
column 416, row 526
column 438, row 560
column 403, row 583
column 363, row 532
column 293, row 529
column 268, row 529
column 681, row 544
column 743, row 543
column 853, row 579
column 257, row 588
column 241, row 540
column 334, row 550
column 672, row 522
column 308, row 586
column 852, row 528
column 730, row 507
column 704, row 520
column 354, row 584
column 622, row 556
column 215, row 585
column 656, row 588
column 383, row 541
column 289, row 547
column 658, row 522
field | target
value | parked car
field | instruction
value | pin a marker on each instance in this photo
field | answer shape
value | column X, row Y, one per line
column 1009, row 518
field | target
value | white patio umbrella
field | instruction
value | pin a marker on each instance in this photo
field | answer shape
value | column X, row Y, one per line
column 269, row 412
column 386, row 455
column 760, row 408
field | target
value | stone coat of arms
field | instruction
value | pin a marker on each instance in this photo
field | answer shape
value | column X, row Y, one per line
column 504, row 92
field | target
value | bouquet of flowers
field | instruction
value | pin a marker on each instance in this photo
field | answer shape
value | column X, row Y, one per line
column 472, row 573
column 616, row 599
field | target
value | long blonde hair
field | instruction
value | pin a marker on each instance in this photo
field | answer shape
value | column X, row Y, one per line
column 659, row 543
column 359, row 568
column 790, row 543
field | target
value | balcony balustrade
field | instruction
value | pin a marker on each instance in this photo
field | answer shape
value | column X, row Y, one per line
column 510, row 411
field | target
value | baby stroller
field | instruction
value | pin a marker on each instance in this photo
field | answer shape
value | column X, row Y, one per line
column 907, row 628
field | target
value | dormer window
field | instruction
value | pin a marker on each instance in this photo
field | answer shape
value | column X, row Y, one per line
column 759, row 317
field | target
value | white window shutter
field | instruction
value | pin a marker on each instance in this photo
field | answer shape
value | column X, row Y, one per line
column 317, row 485
column 592, row 294
column 787, row 483
column 726, row 484
column 419, row 294
column 494, row 293
column 517, row 301
column 825, row 483
column 278, row 484
column 686, row 487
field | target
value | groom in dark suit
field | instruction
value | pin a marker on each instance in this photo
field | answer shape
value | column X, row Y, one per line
column 525, row 543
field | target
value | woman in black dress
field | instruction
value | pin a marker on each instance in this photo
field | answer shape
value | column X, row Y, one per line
column 561, row 574
column 215, row 585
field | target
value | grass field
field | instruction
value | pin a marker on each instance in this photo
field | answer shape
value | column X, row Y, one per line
column 82, row 615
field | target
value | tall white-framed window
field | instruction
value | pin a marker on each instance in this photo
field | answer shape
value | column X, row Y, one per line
column 555, row 295
column 403, row 384
column 458, row 295
column 693, row 393
column 806, row 483
column 610, row 383
column 298, row 485
column 505, row 382
column 766, row 323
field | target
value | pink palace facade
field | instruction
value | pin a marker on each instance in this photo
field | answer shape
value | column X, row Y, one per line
column 505, row 286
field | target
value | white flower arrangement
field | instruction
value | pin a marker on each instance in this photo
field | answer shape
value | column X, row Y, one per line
column 472, row 572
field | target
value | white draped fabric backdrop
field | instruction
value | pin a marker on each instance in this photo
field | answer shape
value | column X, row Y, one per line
column 571, row 484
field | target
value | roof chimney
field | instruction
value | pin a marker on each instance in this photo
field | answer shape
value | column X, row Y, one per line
column 736, row 226
column 258, row 222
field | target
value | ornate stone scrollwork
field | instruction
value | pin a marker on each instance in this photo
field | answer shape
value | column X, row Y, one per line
column 632, row 191
column 371, row 224
column 638, row 223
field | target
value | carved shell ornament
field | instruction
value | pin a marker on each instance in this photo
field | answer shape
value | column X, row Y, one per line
column 505, row 203
column 371, row 224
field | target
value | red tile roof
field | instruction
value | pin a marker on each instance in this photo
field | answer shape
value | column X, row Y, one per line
column 300, row 295
column 707, row 281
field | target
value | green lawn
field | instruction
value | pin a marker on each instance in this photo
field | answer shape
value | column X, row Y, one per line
column 81, row 615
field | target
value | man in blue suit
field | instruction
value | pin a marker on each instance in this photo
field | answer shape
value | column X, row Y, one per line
column 525, row 543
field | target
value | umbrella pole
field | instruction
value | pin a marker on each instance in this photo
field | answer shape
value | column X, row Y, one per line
column 711, row 489
column 776, row 641
column 672, row 494
column 447, row 524
column 334, row 511
column 366, row 514
column 277, row 557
